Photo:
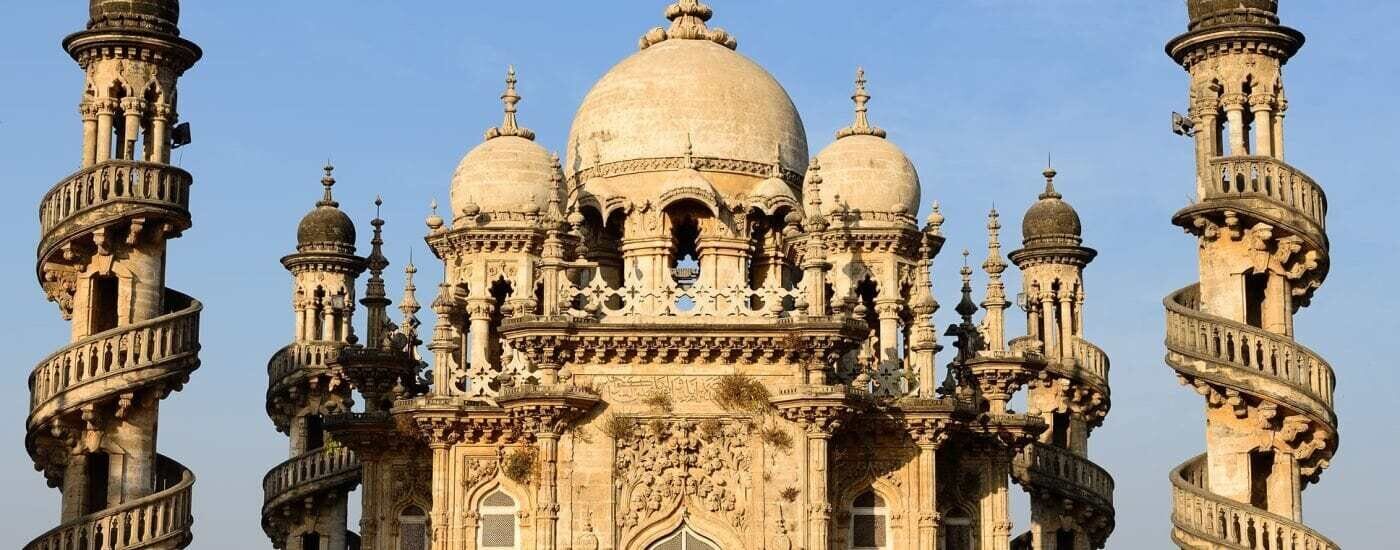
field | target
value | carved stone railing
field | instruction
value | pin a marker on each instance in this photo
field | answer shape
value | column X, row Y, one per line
column 306, row 473
column 1066, row 473
column 1203, row 520
column 1257, row 176
column 160, row 520
column 114, row 361
column 1252, row 351
column 293, row 358
column 599, row 300
column 116, row 181
column 1090, row 358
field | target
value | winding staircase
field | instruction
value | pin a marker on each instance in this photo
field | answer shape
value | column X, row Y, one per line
column 1261, row 229
column 85, row 390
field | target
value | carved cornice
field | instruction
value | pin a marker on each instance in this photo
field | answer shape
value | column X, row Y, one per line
column 669, row 164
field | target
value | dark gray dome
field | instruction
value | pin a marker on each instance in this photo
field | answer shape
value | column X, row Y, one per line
column 1221, row 13
column 326, row 225
column 156, row 15
column 1051, row 221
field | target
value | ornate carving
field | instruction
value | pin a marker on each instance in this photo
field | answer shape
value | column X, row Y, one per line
column 668, row 463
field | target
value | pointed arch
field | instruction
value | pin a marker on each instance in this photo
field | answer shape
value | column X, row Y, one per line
column 711, row 528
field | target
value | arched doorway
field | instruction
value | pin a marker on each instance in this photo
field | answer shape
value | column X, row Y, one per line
column 684, row 539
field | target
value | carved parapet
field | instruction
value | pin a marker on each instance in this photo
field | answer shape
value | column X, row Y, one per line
column 439, row 421
column 300, row 373
column 932, row 422
column 998, row 377
column 377, row 373
column 547, row 409
column 1011, row 432
column 820, row 410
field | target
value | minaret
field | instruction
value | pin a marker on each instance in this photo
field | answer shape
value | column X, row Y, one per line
column 376, row 300
column 93, row 415
column 995, row 303
column 305, row 502
column 1052, row 261
column 1263, row 249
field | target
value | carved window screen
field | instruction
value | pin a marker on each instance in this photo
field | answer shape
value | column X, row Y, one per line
column 413, row 529
column 498, row 527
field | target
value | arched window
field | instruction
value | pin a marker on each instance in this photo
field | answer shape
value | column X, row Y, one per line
column 684, row 539
column 413, row 529
column 498, row 528
column 870, row 523
column 958, row 533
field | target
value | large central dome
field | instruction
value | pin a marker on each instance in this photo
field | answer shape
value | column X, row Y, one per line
column 687, row 93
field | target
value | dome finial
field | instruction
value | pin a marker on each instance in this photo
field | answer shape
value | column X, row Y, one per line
column 327, row 182
column 509, row 126
column 861, row 126
column 688, row 18
column 1050, row 173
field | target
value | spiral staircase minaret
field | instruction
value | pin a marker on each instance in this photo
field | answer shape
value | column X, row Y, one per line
column 1261, row 230
column 95, row 402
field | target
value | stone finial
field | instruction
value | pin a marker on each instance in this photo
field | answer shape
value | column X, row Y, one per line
column 511, row 98
column 689, row 157
column 688, row 22
column 994, row 265
column 327, row 182
column 935, row 219
column 556, row 180
column 434, row 220
column 861, row 126
column 376, row 260
column 409, row 305
column 966, row 307
column 1050, row 192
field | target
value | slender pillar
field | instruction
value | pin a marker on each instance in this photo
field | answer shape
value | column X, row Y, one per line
column 106, row 109
column 549, row 498
column 442, row 470
column 160, row 138
column 1066, row 324
column 88, row 110
column 1047, row 324
column 1234, row 113
column 133, row 109
column 479, row 312
column 1262, row 107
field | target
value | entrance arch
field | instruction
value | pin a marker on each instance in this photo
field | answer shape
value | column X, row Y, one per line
column 684, row 538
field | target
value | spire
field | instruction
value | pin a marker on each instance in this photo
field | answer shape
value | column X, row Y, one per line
column 376, row 260
column 409, row 305
column 556, row 180
column 688, row 22
column 966, row 307
column 689, row 158
column 327, row 182
column 995, row 302
column 376, row 299
column 861, row 126
column 815, row 221
column 511, row 99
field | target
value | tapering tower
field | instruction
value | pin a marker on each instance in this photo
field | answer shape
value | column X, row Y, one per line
column 1071, row 394
column 305, row 497
column 1261, row 234
column 93, row 412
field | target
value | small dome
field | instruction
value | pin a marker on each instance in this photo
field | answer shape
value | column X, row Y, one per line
column 1051, row 221
column 326, row 227
column 1221, row 13
column 688, row 87
column 504, row 174
column 157, row 15
column 868, row 172
column 508, row 172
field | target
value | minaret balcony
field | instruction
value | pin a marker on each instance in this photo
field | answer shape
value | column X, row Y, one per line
column 160, row 520
column 110, row 191
column 1266, row 189
column 1204, row 520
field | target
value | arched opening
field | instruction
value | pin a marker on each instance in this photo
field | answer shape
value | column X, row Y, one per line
column 1255, row 285
column 1261, row 468
column 313, row 435
column 104, row 303
column 958, row 533
column 501, row 291
column 684, row 539
column 97, row 468
column 1064, row 539
column 413, row 529
column 311, row 541
column 870, row 523
column 685, row 239
column 1248, row 132
column 499, row 529
column 318, row 322
column 1059, row 430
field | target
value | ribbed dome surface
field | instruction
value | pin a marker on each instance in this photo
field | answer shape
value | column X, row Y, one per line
column 326, row 225
column 870, row 174
column 161, row 15
column 504, row 174
column 677, row 91
column 1219, row 13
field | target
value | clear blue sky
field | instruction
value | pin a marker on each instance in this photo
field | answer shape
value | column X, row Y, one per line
column 976, row 91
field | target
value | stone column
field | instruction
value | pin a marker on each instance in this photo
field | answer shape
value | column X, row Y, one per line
column 88, row 110
column 548, row 516
column 479, row 312
column 1262, row 106
column 133, row 469
column 1066, row 325
column 1286, row 487
column 1207, row 139
column 133, row 109
column 1234, row 113
column 160, row 136
column 1047, row 324
column 996, row 507
column 650, row 260
column 1277, row 314
column 106, row 109
column 929, row 436
column 1278, row 128
column 723, row 260
column 889, row 310
column 75, row 487
column 442, row 472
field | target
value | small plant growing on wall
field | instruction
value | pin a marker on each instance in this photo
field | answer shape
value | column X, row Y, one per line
column 618, row 428
column 739, row 393
column 660, row 402
column 522, row 465
column 789, row 494
column 710, row 429
column 778, row 438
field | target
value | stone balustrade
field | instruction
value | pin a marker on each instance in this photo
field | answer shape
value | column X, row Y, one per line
column 111, row 182
column 1193, row 333
column 1253, row 176
column 301, row 471
column 1091, row 358
column 599, row 300
column 1223, row 523
column 294, row 358
column 1060, row 469
column 161, row 520
column 115, row 355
